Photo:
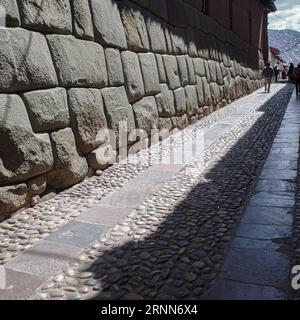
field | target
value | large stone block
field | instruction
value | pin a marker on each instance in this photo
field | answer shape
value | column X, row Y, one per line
column 47, row 109
column 135, row 27
column 108, row 27
column 23, row 154
column 161, row 69
column 156, row 34
column 150, row 73
column 212, row 71
column 82, row 19
column 117, row 108
column 102, row 158
column 191, row 42
column 191, row 100
column 183, row 70
column 200, row 91
column 215, row 93
column 172, row 73
column 46, row 15
column 12, row 16
column 199, row 67
column 165, row 102
column 206, row 90
column 191, row 70
column 26, row 62
column 146, row 114
column 180, row 101
column 79, row 63
column 70, row 167
column 12, row 198
column 88, row 119
column 133, row 76
column 178, row 41
column 114, row 67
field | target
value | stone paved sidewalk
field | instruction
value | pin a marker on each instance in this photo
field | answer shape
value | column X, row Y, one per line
column 258, row 264
column 142, row 230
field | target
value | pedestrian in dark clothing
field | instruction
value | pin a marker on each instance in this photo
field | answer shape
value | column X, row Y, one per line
column 268, row 74
column 296, row 74
column 276, row 71
column 290, row 73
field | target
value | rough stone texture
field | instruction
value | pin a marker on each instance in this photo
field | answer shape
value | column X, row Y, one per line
column 156, row 34
column 135, row 27
column 23, row 69
column 69, row 166
column 47, row 15
column 206, row 90
column 67, row 51
column 161, row 69
column 200, row 91
column 37, row 185
column 102, row 158
column 172, row 73
column 13, row 198
column 178, row 41
column 114, row 67
column 12, row 18
column 150, row 73
column 183, row 70
column 133, row 76
column 47, row 109
column 180, row 122
column 191, row 100
column 146, row 114
column 117, row 108
column 23, row 153
column 108, row 27
column 82, row 19
column 87, row 118
column 191, row 70
column 180, row 101
column 165, row 102
column 199, row 67
column 165, row 124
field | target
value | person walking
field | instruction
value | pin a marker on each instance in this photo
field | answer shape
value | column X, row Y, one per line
column 290, row 73
column 296, row 75
column 268, row 74
column 276, row 71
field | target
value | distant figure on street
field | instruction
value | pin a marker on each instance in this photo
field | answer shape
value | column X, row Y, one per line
column 290, row 73
column 268, row 74
column 283, row 74
column 276, row 72
column 296, row 74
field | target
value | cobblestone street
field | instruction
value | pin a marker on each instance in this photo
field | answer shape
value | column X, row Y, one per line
column 222, row 224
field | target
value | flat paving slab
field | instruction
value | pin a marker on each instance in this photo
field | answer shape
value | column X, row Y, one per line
column 260, row 267
column 18, row 285
column 268, row 216
column 234, row 290
column 77, row 234
column 45, row 259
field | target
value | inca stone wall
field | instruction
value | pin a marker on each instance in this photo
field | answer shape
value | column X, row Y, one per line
column 71, row 68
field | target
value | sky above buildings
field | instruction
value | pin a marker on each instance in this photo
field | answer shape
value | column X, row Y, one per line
column 287, row 16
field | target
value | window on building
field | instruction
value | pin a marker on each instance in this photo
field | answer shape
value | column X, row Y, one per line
column 250, row 26
column 231, row 14
column 205, row 6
